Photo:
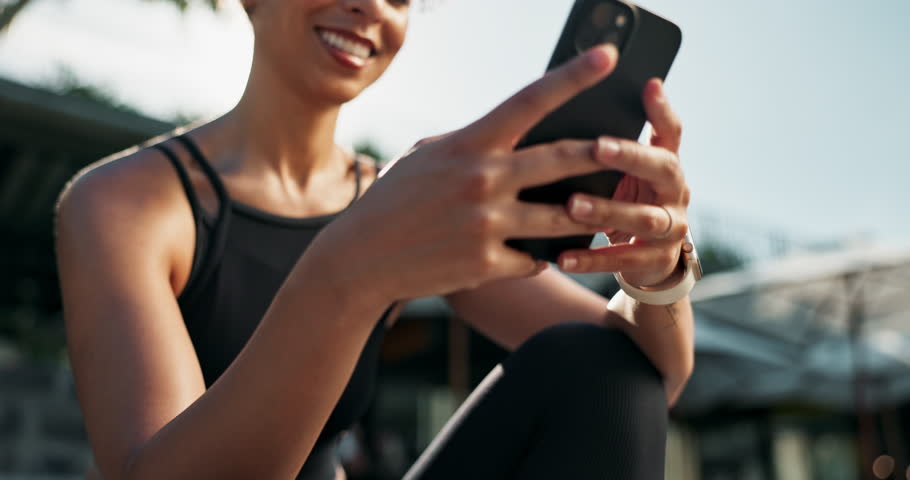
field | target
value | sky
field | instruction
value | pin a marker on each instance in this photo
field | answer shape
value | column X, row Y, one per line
column 795, row 112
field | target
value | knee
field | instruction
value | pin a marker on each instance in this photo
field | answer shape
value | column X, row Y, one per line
column 586, row 353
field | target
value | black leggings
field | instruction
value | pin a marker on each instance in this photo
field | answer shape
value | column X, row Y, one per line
column 576, row 401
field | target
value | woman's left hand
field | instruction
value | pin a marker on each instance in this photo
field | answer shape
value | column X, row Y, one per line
column 646, row 219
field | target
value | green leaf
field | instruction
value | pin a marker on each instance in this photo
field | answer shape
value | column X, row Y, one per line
column 8, row 13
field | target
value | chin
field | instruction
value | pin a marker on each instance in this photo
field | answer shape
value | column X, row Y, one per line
column 335, row 88
column 340, row 92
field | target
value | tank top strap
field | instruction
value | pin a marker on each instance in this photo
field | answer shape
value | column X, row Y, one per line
column 357, row 176
column 224, row 198
column 184, row 176
column 377, row 166
column 218, row 239
column 195, row 207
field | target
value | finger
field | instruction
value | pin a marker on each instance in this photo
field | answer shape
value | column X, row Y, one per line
column 657, row 166
column 630, row 189
column 641, row 220
column 515, row 264
column 617, row 258
column 540, row 220
column 506, row 124
column 666, row 125
column 547, row 163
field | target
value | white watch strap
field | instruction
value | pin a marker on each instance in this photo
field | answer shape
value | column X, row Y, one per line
column 660, row 297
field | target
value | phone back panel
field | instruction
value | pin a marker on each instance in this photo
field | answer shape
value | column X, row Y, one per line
column 612, row 107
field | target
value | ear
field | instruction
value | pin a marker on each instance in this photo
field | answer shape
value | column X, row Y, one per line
column 248, row 5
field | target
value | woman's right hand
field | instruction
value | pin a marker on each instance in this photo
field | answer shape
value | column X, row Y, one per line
column 436, row 222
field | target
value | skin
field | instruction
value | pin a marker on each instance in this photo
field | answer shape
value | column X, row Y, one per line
column 125, row 237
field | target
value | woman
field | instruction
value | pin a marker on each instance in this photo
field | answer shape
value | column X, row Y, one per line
column 223, row 316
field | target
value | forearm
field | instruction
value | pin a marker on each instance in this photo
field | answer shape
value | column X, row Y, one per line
column 664, row 333
column 511, row 311
column 264, row 414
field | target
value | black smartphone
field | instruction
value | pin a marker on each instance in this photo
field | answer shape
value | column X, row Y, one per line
column 647, row 46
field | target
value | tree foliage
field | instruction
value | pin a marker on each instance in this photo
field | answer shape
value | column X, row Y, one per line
column 68, row 83
column 184, row 4
column 9, row 9
column 717, row 256
column 369, row 148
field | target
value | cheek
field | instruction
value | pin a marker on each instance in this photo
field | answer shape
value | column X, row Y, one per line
column 396, row 31
column 288, row 16
column 306, row 4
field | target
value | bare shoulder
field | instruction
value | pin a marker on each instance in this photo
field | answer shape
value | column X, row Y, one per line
column 128, row 205
column 133, row 189
column 122, row 182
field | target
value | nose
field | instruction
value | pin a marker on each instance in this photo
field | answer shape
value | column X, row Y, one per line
column 371, row 9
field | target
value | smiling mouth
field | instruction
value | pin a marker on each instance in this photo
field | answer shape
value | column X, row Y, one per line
column 347, row 48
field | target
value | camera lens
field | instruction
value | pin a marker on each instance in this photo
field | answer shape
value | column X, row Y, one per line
column 601, row 14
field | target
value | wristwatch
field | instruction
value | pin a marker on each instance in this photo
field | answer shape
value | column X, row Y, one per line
column 666, row 296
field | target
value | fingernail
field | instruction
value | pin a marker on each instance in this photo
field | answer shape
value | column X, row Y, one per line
column 569, row 263
column 607, row 148
column 581, row 207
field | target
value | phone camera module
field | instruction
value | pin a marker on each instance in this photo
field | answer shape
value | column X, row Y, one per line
column 607, row 22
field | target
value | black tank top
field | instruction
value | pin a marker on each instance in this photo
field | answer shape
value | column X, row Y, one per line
column 242, row 256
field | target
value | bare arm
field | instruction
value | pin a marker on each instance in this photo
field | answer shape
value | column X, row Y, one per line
column 665, row 333
column 139, row 382
column 511, row 311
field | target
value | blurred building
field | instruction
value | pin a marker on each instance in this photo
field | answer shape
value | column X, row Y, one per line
column 45, row 139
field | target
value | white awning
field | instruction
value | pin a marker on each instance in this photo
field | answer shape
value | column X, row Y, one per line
column 784, row 331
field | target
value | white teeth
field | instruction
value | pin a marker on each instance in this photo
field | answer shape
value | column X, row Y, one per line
column 346, row 45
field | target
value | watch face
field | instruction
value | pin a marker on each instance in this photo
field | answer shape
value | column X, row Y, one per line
column 691, row 254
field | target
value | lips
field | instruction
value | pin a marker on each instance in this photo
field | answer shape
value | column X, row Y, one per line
column 348, row 48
